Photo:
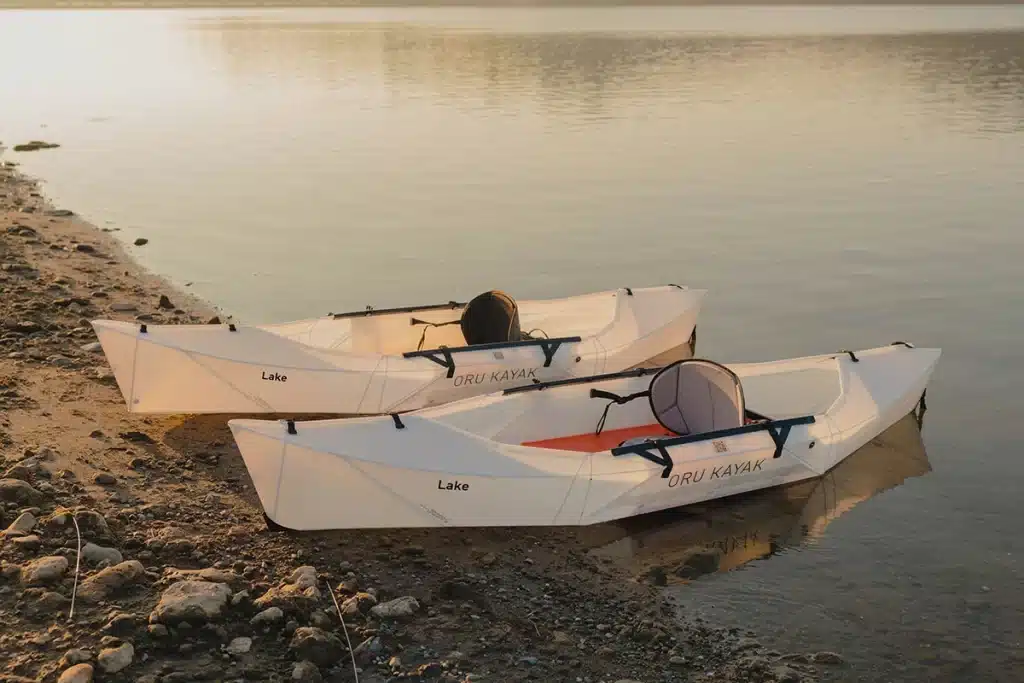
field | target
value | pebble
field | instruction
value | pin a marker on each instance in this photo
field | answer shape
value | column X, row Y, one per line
column 75, row 656
column 105, row 479
column 306, row 672
column 106, row 582
column 399, row 608
column 316, row 645
column 25, row 522
column 123, row 307
column 79, row 673
column 239, row 646
column 831, row 658
column 29, row 543
column 141, row 241
column 116, row 659
column 268, row 616
column 120, row 624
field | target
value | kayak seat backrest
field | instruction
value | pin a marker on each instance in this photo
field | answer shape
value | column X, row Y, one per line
column 695, row 396
column 491, row 317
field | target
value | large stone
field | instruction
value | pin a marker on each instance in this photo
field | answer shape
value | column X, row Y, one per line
column 317, row 646
column 19, row 492
column 191, row 601
column 44, row 570
column 399, row 608
column 108, row 581
column 79, row 673
column 114, row 659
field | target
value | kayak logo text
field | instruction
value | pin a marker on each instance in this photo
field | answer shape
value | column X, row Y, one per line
column 496, row 376
column 720, row 472
column 274, row 377
column 452, row 486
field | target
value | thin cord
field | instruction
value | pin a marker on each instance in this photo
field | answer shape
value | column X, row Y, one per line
column 355, row 672
column 78, row 561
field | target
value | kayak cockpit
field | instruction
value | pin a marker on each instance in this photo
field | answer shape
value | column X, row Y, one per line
column 684, row 398
column 489, row 318
column 688, row 398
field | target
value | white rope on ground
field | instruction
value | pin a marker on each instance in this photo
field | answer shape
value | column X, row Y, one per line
column 355, row 671
column 78, row 562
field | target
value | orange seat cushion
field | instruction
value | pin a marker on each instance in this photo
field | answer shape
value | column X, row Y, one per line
column 595, row 443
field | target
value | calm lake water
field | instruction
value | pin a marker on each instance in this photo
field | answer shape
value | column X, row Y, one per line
column 836, row 177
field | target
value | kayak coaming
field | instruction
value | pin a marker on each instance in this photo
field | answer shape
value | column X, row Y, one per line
column 369, row 365
column 463, row 464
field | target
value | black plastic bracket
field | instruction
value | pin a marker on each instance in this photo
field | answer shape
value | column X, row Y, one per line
column 446, row 361
column 398, row 421
column 779, row 436
column 291, row 427
column 550, row 349
column 143, row 329
column 660, row 458
column 850, row 353
column 629, row 291
column 902, row 343
column 232, row 328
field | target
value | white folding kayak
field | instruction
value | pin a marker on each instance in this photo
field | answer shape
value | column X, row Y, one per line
column 395, row 360
column 584, row 450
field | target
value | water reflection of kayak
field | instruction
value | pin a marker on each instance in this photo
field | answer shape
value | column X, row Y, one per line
column 727, row 533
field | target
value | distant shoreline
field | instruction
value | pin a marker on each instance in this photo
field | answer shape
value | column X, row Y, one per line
column 321, row 4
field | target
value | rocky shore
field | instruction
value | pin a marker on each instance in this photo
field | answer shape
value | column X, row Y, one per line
column 134, row 549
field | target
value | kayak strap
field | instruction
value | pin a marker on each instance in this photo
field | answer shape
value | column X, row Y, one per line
column 427, row 325
column 614, row 399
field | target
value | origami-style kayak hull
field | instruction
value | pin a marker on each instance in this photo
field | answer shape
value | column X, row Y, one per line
column 529, row 456
column 369, row 362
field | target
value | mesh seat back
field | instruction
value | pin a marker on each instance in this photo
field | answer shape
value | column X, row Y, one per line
column 491, row 317
column 695, row 396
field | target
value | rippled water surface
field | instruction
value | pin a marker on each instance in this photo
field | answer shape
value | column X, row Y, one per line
column 837, row 177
